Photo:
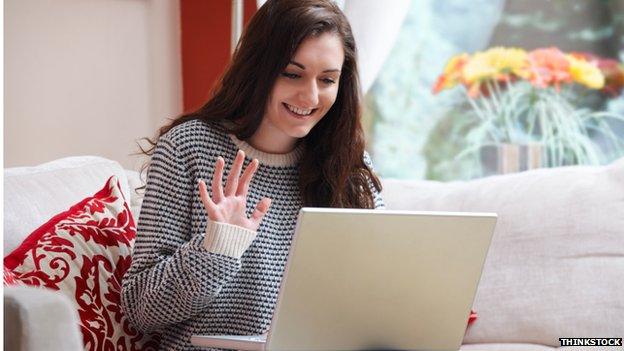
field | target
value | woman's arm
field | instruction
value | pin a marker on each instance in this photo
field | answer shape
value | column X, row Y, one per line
column 175, row 275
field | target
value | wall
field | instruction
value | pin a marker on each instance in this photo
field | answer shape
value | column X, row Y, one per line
column 88, row 77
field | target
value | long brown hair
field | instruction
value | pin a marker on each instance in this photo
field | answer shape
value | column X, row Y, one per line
column 332, row 171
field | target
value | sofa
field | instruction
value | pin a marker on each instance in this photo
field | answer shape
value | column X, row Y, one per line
column 555, row 267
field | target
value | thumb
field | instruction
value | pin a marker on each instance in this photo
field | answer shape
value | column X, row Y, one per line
column 261, row 209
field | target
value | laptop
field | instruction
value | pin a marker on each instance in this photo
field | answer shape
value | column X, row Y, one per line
column 374, row 280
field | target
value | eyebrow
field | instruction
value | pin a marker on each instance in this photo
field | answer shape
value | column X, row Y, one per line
column 303, row 67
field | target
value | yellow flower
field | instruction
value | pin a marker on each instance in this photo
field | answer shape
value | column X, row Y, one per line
column 585, row 73
column 496, row 63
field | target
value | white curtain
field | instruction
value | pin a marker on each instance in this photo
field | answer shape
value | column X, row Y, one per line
column 375, row 26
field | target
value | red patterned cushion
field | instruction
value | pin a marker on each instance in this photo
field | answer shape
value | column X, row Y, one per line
column 9, row 278
column 84, row 252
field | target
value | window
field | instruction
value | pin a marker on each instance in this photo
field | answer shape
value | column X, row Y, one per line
column 416, row 134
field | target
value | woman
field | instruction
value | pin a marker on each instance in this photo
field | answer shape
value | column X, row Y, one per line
column 287, row 115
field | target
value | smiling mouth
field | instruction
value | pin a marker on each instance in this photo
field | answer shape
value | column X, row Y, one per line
column 296, row 115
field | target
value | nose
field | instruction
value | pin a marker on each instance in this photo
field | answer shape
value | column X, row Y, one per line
column 309, row 94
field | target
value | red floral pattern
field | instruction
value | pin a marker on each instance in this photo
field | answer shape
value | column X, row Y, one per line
column 9, row 278
column 84, row 252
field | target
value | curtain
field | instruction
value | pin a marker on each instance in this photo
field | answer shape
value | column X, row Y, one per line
column 375, row 25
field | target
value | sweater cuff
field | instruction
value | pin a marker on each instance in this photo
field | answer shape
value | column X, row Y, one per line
column 227, row 239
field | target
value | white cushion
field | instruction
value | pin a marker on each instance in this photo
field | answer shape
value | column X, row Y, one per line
column 556, row 263
column 33, row 195
column 136, row 196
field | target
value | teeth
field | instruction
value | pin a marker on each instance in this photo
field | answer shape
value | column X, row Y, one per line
column 299, row 111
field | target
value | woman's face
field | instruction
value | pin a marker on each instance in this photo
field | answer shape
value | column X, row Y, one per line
column 303, row 92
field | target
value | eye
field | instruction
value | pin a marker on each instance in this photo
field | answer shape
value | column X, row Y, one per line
column 290, row 75
column 329, row 81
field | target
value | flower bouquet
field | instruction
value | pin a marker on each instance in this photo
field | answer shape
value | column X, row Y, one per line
column 528, row 98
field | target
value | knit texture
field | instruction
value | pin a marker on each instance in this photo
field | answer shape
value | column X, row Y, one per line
column 192, row 276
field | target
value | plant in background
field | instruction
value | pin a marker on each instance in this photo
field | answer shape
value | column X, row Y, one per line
column 519, row 97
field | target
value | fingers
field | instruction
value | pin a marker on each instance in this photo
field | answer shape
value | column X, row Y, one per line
column 232, row 179
column 217, row 178
column 261, row 209
column 209, row 205
column 245, row 179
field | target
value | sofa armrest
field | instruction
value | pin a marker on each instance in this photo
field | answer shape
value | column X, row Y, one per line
column 39, row 319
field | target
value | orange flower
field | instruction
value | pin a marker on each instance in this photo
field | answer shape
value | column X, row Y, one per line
column 452, row 73
column 548, row 67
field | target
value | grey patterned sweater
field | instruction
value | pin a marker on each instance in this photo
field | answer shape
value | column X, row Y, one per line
column 193, row 276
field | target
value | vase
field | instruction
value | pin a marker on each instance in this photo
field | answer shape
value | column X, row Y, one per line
column 511, row 158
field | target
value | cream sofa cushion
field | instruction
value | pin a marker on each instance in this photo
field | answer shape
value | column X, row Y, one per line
column 40, row 319
column 556, row 263
column 505, row 347
column 33, row 195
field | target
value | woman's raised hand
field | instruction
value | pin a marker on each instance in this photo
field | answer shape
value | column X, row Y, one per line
column 230, row 205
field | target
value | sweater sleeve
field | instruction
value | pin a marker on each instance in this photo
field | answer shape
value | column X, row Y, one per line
column 379, row 203
column 174, row 274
